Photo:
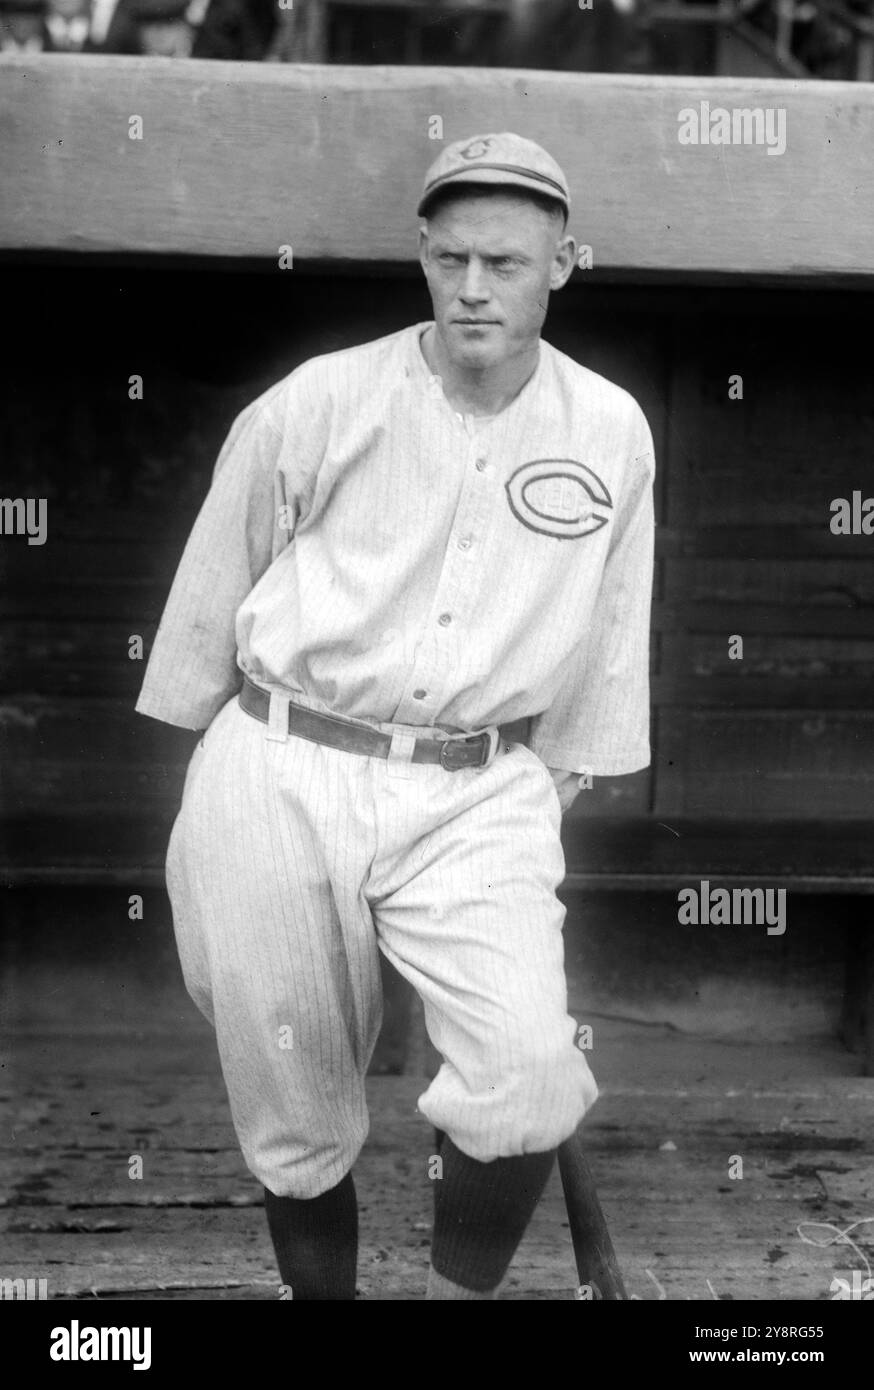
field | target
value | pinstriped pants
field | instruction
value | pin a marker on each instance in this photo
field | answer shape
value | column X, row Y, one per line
column 291, row 864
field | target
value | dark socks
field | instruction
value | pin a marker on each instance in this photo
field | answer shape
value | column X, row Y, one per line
column 316, row 1241
column 481, row 1211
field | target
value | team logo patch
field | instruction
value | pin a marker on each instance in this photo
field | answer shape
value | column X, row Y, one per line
column 476, row 149
column 559, row 497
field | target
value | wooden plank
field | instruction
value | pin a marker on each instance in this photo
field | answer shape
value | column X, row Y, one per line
column 32, row 726
column 656, row 1208
column 767, row 466
column 138, row 604
column 620, row 852
column 630, row 795
column 771, row 542
column 768, row 656
column 672, row 852
column 855, row 1005
column 628, row 877
column 822, row 620
column 757, row 764
column 442, row 8
column 763, row 693
column 170, row 1177
column 338, row 145
column 69, row 658
column 90, row 788
column 66, row 657
column 210, row 1181
column 105, row 553
column 94, row 761
column 75, row 849
column 868, row 1004
column 141, row 605
column 677, row 1221
column 783, row 486
column 836, row 583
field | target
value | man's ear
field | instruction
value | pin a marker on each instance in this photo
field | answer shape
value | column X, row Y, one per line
column 423, row 248
column 563, row 261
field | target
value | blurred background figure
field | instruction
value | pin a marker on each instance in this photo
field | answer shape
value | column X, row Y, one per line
column 68, row 26
column 832, row 39
column 607, row 36
column 560, row 35
column 235, row 30
column 113, row 27
column 162, row 29
column 22, row 26
column 723, row 38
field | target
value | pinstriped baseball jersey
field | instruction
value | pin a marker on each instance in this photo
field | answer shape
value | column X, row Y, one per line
column 366, row 548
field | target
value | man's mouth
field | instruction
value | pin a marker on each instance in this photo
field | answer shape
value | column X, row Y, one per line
column 476, row 323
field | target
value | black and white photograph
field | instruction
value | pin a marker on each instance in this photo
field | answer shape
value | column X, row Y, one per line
column 437, row 652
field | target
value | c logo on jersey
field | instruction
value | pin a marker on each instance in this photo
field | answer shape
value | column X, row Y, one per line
column 559, row 497
column 476, row 149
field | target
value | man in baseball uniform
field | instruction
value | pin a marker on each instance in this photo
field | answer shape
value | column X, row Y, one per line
column 406, row 547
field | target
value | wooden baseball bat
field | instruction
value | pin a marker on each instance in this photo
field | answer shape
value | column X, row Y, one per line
column 597, row 1265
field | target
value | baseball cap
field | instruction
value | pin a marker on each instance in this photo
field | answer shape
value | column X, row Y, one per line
column 504, row 160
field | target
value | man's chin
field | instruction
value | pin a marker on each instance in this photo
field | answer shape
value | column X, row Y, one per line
column 477, row 359
column 479, row 351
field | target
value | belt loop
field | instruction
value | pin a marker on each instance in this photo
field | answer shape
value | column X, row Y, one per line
column 400, row 753
column 277, row 722
column 494, row 736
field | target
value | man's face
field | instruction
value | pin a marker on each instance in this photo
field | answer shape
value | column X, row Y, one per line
column 165, row 38
column 69, row 9
column 490, row 261
column 22, row 28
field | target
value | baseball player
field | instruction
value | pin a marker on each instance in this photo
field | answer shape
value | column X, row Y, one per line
column 407, row 546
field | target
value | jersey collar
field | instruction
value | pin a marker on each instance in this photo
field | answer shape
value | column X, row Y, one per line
column 434, row 387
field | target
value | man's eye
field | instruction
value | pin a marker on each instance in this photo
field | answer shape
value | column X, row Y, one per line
column 448, row 258
column 503, row 262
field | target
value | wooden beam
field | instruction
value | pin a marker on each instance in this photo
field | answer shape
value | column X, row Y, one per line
column 434, row 7
column 237, row 160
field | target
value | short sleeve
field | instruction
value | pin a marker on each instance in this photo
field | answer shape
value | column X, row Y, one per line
column 192, row 670
column 599, row 719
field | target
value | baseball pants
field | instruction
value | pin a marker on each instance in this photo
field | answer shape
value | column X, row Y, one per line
column 291, row 864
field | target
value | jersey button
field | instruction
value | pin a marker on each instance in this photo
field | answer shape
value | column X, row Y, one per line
column 419, row 694
column 480, row 465
column 445, row 619
column 464, row 543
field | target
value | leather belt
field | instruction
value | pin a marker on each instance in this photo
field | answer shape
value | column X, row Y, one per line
column 452, row 753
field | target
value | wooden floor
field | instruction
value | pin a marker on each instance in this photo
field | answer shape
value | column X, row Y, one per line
column 673, row 1112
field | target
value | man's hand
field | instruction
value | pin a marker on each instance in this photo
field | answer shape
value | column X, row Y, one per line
column 567, row 784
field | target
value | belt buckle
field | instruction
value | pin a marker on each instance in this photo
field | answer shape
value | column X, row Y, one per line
column 489, row 737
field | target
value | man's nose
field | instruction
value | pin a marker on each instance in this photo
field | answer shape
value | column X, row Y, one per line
column 475, row 285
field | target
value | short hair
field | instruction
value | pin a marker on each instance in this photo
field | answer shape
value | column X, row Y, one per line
column 454, row 191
